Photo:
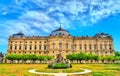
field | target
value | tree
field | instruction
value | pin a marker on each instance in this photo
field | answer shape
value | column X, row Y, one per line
column 18, row 57
column 71, row 57
column 32, row 57
column 49, row 57
column 95, row 57
column 117, row 53
column 41, row 58
column 25, row 57
column 81, row 56
column 11, row 57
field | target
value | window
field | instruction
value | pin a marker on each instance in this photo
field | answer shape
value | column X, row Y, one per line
column 10, row 47
column 30, row 41
column 35, row 47
column 25, row 47
column 90, row 47
column 80, row 47
column 100, row 46
column 39, row 47
column 94, row 47
column 110, row 47
column 53, row 46
column 66, row 46
column 15, row 47
column 85, row 47
column 105, row 46
column 60, row 45
column 44, row 41
column 66, row 51
column 74, row 47
column 30, row 47
column 44, row 47
column 19, row 47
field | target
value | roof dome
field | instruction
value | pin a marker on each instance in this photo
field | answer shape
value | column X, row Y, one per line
column 60, row 31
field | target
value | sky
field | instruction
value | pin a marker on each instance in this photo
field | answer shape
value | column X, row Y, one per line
column 40, row 17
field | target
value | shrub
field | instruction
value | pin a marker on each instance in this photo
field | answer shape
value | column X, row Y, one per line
column 60, row 66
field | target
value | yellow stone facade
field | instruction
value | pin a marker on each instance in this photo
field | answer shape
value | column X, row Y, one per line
column 60, row 41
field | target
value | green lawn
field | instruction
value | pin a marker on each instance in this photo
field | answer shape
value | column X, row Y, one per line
column 22, row 69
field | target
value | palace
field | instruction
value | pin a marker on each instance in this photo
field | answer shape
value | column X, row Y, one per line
column 61, row 41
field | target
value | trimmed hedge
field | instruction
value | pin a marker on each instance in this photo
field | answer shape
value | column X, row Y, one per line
column 60, row 66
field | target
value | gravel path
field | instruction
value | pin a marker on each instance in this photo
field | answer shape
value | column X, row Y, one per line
column 60, row 74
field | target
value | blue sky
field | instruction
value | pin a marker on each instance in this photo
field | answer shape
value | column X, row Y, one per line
column 40, row 17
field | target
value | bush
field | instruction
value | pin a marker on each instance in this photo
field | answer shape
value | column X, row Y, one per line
column 60, row 66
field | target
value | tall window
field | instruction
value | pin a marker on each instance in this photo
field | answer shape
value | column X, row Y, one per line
column 25, row 47
column 44, row 47
column 100, row 46
column 105, row 46
column 110, row 47
column 90, row 47
column 60, row 45
column 10, row 47
column 94, row 47
column 20, row 47
column 39, row 47
column 85, row 47
column 66, row 46
column 30, row 47
column 53, row 46
column 80, row 47
column 15, row 47
column 35, row 47
column 74, row 47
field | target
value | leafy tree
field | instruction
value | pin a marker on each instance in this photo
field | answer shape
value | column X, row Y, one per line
column 18, row 57
column 41, row 58
column 25, row 57
column 117, row 53
column 71, row 57
column 95, row 57
column 49, row 57
column 32, row 57
column 81, row 56
column 11, row 57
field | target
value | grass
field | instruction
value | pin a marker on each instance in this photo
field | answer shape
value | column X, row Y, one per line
column 22, row 69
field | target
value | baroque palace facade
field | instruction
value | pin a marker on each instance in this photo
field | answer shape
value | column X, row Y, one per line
column 61, row 41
